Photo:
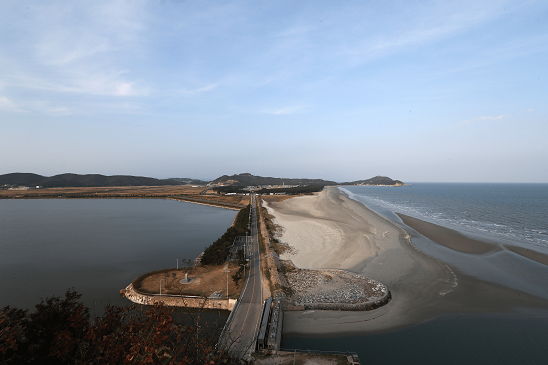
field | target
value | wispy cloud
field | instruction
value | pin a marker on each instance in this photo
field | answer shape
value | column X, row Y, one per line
column 80, row 82
column 480, row 119
column 529, row 110
column 199, row 90
column 41, row 107
column 7, row 104
column 421, row 25
column 287, row 110
column 74, row 48
column 55, row 110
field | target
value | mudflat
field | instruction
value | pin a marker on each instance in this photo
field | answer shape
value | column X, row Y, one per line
column 528, row 253
column 331, row 231
column 448, row 237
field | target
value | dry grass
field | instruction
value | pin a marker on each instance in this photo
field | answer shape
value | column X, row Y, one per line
column 234, row 199
column 277, row 198
column 104, row 191
column 207, row 280
column 124, row 192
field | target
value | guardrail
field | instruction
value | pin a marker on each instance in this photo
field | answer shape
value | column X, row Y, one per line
column 319, row 352
column 229, row 319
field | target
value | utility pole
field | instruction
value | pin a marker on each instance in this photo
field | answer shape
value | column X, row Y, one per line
column 227, row 271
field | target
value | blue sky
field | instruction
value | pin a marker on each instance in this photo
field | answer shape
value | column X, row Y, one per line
column 415, row 90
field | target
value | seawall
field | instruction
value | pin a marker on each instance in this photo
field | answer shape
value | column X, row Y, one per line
column 178, row 300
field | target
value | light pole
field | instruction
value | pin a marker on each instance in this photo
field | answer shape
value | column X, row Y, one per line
column 161, row 286
column 227, row 271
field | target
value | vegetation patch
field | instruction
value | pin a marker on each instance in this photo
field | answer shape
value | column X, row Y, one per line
column 61, row 331
column 309, row 189
column 217, row 253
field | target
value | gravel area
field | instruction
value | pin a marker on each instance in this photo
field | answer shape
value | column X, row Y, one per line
column 332, row 286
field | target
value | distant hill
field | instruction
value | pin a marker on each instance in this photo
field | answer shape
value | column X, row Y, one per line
column 247, row 179
column 240, row 180
column 377, row 180
column 75, row 180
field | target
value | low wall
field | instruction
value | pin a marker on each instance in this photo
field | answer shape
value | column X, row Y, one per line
column 178, row 300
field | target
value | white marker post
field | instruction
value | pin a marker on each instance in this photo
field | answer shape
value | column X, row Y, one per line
column 227, row 271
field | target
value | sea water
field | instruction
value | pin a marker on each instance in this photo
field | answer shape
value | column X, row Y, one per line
column 449, row 340
column 504, row 213
column 96, row 246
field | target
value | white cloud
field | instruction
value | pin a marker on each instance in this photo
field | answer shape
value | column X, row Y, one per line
column 56, row 110
column 199, row 90
column 420, row 25
column 33, row 106
column 82, row 48
column 287, row 110
column 480, row 119
column 7, row 104
column 92, row 84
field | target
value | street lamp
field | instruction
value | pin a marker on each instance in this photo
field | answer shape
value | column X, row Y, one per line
column 227, row 271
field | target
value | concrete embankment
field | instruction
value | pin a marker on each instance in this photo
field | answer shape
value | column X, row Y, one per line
column 177, row 300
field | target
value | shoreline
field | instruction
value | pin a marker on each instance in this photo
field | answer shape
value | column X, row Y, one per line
column 456, row 241
column 449, row 238
column 332, row 231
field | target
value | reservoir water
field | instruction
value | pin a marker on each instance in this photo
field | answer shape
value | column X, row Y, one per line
column 97, row 246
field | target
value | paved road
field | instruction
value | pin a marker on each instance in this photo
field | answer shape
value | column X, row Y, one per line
column 243, row 328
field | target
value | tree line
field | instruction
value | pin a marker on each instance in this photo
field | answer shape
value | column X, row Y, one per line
column 308, row 189
column 217, row 253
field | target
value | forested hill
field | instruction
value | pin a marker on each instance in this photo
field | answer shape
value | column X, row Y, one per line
column 75, row 180
column 241, row 180
column 377, row 180
column 247, row 179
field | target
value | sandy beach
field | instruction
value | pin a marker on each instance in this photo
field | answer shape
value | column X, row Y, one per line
column 331, row 231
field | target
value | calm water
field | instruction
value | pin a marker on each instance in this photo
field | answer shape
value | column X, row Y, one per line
column 96, row 246
column 481, row 340
column 506, row 213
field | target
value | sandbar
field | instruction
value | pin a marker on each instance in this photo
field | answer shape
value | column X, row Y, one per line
column 448, row 237
column 539, row 257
